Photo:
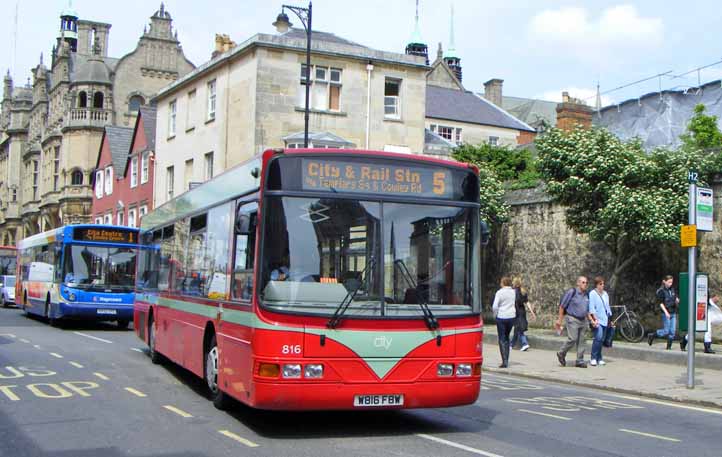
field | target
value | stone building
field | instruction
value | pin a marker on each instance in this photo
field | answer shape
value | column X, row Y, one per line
column 50, row 130
column 252, row 96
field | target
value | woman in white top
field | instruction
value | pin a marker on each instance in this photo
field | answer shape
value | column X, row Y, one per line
column 505, row 314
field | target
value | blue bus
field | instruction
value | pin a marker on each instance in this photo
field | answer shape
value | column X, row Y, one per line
column 78, row 272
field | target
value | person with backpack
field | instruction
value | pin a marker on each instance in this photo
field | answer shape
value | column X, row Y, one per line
column 600, row 312
column 574, row 312
column 505, row 314
column 668, row 302
column 522, row 324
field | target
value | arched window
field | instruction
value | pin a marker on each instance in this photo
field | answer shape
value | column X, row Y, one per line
column 82, row 99
column 98, row 100
column 76, row 178
column 135, row 102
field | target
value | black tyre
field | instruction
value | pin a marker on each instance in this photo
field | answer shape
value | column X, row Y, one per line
column 3, row 302
column 51, row 320
column 630, row 328
column 25, row 304
column 155, row 356
column 123, row 324
column 211, row 368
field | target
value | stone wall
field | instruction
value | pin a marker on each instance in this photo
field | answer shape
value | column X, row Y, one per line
column 538, row 246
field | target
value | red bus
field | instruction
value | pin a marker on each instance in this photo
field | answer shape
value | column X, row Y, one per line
column 310, row 279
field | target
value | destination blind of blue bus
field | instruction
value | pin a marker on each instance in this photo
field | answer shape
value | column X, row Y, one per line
column 376, row 178
column 108, row 235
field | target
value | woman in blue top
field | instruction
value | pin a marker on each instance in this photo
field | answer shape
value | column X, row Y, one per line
column 600, row 312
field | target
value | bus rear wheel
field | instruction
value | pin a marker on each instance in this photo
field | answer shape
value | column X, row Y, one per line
column 219, row 398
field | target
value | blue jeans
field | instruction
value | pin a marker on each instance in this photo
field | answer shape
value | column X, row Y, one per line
column 519, row 336
column 597, row 342
column 670, row 326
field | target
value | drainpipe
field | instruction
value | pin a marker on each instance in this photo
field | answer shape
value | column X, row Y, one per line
column 369, row 69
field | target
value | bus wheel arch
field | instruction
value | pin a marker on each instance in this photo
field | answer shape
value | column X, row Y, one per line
column 211, row 363
column 54, row 322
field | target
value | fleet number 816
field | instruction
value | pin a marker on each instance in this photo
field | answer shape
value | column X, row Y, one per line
column 291, row 349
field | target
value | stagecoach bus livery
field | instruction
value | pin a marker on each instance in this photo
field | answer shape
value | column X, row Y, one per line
column 320, row 279
column 79, row 272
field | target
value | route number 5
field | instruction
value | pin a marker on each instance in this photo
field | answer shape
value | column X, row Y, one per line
column 291, row 349
column 439, row 184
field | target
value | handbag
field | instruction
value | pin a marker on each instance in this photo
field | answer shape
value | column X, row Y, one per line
column 608, row 336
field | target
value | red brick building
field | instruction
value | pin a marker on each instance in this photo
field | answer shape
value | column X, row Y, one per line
column 124, row 172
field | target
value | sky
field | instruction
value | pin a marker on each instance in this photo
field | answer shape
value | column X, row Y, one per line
column 539, row 48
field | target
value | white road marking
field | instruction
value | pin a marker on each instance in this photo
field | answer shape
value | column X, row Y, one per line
column 76, row 364
column 649, row 435
column 56, row 355
column 137, row 393
column 136, row 349
column 101, row 376
column 24, row 340
column 93, row 337
column 237, row 438
column 668, row 403
column 457, row 445
column 528, row 411
column 37, row 346
column 179, row 412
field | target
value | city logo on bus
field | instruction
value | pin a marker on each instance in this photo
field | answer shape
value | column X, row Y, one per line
column 382, row 342
column 315, row 213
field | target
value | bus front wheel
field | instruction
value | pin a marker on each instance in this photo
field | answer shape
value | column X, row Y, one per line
column 48, row 314
column 155, row 356
column 220, row 399
column 123, row 324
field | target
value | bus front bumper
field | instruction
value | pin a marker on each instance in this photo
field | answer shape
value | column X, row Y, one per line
column 342, row 396
column 95, row 311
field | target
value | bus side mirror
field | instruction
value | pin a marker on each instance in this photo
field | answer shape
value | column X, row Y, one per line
column 485, row 233
column 243, row 224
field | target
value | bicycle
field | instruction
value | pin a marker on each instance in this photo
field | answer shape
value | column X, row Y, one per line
column 628, row 324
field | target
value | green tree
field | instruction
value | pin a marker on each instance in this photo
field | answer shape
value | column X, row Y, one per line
column 703, row 137
column 515, row 167
column 616, row 192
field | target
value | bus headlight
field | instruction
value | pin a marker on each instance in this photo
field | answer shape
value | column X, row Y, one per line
column 445, row 369
column 292, row 370
column 463, row 369
column 313, row 370
column 71, row 296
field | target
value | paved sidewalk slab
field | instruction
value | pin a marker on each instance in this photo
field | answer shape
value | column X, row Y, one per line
column 655, row 380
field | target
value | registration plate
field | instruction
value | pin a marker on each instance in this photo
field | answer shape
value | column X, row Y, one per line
column 107, row 311
column 364, row 401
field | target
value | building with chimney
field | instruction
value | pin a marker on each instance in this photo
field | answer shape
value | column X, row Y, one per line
column 51, row 128
column 251, row 97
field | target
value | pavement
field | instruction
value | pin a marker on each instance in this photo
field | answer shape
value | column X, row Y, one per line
column 632, row 368
column 91, row 391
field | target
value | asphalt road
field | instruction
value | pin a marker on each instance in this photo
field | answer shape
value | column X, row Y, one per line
column 85, row 391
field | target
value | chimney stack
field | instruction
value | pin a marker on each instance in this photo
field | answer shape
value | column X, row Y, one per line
column 493, row 89
column 223, row 44
column 572, row 112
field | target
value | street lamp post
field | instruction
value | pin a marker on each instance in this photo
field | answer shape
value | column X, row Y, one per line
column 282, row 25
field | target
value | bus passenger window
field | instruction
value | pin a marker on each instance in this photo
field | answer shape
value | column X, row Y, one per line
column 244, row 255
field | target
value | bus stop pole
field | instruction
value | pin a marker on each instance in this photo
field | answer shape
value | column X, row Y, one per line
column 691, row 287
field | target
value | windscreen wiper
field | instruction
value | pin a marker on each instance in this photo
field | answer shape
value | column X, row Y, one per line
column 429, row 317
column 343, row 306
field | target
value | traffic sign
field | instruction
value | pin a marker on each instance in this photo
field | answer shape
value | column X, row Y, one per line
column 704, row 208
column 688, row 236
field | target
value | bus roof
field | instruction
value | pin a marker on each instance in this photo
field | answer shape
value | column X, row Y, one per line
column 246, row 178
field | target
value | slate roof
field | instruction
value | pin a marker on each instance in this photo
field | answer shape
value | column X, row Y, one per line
column 148, row 115
column 119, row 139
column 465, row 106
column 531, row 110
column 300, row 34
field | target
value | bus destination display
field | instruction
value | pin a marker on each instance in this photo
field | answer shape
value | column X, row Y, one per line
column 383, row 178
column 104, row 235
